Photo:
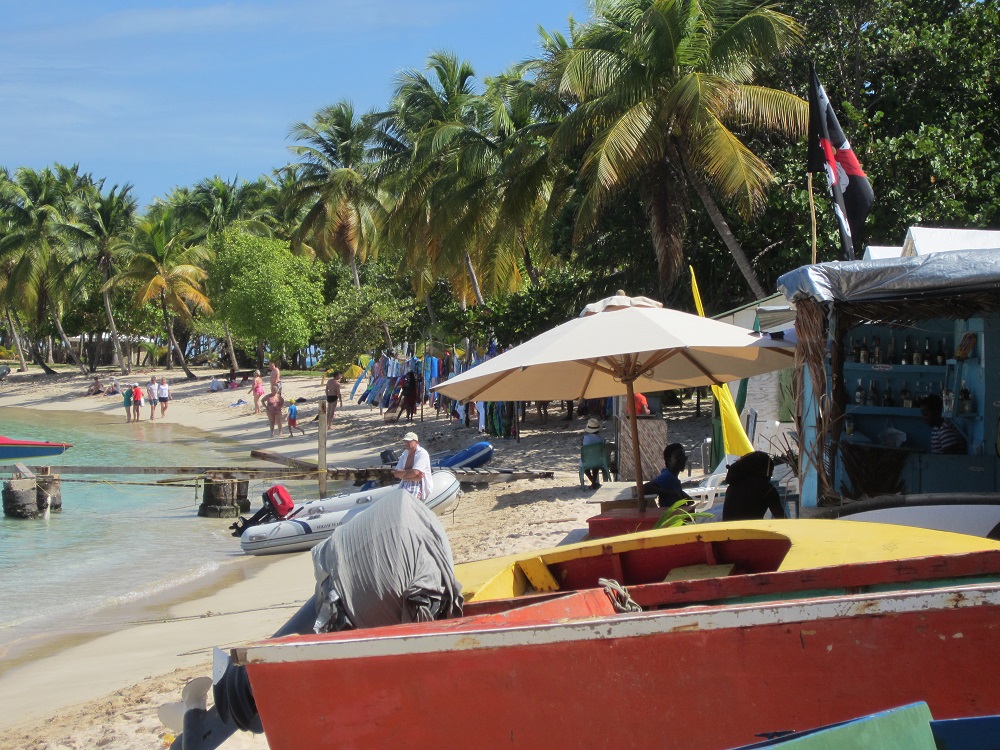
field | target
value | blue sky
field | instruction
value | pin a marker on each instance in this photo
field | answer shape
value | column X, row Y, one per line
column 165, row 94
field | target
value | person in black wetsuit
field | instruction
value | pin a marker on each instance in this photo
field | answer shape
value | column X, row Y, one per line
column 750, row 493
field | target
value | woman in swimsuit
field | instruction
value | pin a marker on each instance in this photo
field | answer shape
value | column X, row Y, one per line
column 274, row 404
column 257, row 389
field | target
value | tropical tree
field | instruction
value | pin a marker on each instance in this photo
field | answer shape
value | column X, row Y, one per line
column 660, row 86
column 335, row 191
column 429, row 116
column 102, row 227
column 169, row 270
column 33, row 245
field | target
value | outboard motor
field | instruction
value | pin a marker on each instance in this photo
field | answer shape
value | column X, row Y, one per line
column 278, row 505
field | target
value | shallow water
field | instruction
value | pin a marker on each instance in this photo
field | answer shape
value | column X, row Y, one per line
column 118, row 540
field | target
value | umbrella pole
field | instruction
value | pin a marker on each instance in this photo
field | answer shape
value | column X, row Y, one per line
column 635, row 446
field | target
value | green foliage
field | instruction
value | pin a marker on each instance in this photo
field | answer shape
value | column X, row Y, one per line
column 356, row 323
column 675, row 516
column 264, row 292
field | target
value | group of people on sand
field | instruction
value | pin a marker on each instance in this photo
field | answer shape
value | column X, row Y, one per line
column 133, row 395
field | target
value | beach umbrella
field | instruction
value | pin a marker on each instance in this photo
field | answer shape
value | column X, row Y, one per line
column 618, row 346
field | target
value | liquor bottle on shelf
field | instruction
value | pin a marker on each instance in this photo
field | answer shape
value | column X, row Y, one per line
column 863, row 356
column 887, row 399
column 890, row 355
column 964, row 400
column 873, row 399
column 928, row 357
column 939, row 357
column 876, row 352
column 859, row 393
column 947, row 400
column 849, row 424
column 905, row 358
column 905, row 398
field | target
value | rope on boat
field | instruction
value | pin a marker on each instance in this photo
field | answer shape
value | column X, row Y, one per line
column 619, row 596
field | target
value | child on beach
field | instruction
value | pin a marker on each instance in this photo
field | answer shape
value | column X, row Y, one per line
column 136, row 401
column 163, row 396
column 152, row 393
column 257, row 389
column 293, row 414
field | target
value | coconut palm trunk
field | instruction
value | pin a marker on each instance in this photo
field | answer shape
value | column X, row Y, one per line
column 17, row 342
column 229, row 346
column 174, row 348
column 62, row 335
column 124, row 365
column 470, row 269
column 722, row 227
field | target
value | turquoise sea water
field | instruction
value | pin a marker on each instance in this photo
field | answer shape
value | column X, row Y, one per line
column 116, row 541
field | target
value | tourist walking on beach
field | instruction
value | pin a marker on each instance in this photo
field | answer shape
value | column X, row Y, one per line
column 293, row 419
column 136, row 401
column 257, row 389
column 414, row 469
column 274, row 404
column 334, row 396
column 163, row 395
column 275, row 377
column 153, row 394
column 127, row 399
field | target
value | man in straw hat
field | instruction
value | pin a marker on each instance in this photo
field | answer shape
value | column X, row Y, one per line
column 414, row 468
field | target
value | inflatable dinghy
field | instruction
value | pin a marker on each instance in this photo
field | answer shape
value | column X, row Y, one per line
column 308, row 524
column 472, row 457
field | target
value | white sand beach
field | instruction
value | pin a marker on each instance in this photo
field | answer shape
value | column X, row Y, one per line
column 104, row 692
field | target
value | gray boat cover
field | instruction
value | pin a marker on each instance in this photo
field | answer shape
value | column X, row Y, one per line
column 391, row 564
column 935, row 275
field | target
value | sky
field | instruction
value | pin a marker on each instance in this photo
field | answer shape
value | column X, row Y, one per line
column 165, row 94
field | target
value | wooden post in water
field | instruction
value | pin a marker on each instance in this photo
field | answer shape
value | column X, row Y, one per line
column 19, row 498
column 48, row 490
column 321, row 458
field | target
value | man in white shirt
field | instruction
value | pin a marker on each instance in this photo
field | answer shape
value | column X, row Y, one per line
column 414, row 469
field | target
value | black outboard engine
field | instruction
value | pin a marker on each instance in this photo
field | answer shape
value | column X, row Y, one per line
column 277, row 505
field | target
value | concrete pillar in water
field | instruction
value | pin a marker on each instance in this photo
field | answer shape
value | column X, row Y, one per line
column 242, row 495
column 19, row 499
column 219, row 499
column 48, row 492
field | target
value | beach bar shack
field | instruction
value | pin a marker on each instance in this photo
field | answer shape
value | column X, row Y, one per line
column 876, row 337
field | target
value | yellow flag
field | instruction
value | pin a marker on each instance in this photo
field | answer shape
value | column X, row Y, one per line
column 734, row 437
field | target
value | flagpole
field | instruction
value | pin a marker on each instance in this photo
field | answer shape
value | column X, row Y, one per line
column 812, row 211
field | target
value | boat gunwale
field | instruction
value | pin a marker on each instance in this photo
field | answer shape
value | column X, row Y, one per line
column 471, row 634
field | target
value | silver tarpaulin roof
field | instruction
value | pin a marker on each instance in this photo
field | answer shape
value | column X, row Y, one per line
column 939, row 274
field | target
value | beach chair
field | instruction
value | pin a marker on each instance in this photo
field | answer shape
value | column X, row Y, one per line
column 593, row 456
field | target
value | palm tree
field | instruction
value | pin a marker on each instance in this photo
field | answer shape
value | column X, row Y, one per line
column 102, row 226
column 657, row 86
column 34, row 247
column 340, row 204
column 429, row 119
column 213, row 205
column 168, row 270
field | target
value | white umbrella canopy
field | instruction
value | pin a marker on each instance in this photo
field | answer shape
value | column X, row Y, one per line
column 652, row 349
column 616, row 347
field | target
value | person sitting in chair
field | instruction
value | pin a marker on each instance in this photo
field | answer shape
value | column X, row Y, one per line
column 667, row 485
column 750, row 493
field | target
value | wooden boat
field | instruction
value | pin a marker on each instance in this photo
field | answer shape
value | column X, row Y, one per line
column 17, row 449
column 774, row 644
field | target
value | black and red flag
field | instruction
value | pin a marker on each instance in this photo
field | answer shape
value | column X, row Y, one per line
column 830, row 152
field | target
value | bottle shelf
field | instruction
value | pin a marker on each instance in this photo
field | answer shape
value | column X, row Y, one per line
column 883, row 411
column 858, row 367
